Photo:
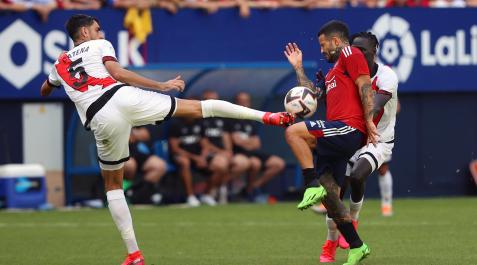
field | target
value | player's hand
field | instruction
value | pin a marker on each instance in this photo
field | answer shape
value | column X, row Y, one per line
column 294, row 55
column 320, row 83
column 174, row 84
column 373, row 134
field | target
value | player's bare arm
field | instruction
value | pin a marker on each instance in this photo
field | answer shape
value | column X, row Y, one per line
column 295, row 57
column 365, row 91
column 129, row 77
column 46, row 89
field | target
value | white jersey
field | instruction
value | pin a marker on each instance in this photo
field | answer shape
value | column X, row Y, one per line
column 385, row 81
column 82, row 73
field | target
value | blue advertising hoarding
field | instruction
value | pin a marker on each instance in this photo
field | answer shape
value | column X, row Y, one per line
column 432, row 50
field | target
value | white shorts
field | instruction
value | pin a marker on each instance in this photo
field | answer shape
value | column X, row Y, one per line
column 129, row 107
column 375, row 155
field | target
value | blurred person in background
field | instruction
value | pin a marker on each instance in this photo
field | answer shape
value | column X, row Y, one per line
column 219, row 142
column 41, row 7
column 79, row 4
column 191, row 151
column 247, row 142
column 144, row 169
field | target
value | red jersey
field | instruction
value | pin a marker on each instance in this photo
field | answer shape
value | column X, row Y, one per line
column 343, row 102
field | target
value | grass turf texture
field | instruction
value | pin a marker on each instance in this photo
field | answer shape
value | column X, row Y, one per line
column 422, row 232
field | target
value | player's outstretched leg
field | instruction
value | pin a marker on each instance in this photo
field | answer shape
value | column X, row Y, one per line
column 219, row 108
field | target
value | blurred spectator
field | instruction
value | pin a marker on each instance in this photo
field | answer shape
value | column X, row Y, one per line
column 140, row 4
column 247, row 142
column 41, row 7
column 471, row 3
column 219, row 141
column 448, row 3
column 79, row 4
column 407, row 3
column 190, row 151
column 326, row 4
column 143, row 168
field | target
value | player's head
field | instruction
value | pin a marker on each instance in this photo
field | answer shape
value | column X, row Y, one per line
column 83, row 28
column 243, row 99
column 210, row 94
column 333, row 36
column 368, row 43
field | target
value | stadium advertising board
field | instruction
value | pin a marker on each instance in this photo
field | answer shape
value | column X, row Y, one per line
column 430, row 49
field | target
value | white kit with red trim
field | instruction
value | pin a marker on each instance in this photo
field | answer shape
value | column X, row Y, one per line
column 82, row 73
column 385, row 81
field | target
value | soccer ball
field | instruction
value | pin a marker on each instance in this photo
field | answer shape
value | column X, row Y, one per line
column 300, row 101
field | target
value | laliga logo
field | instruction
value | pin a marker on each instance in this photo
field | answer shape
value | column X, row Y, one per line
column 52, row 44
column 398, row 47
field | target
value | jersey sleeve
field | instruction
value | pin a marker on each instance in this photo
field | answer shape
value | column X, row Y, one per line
column 107, row 52
column 388, row 83
column 53, row 78
column 354, row 62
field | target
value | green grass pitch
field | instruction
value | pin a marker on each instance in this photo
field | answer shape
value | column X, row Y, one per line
column 422, row 232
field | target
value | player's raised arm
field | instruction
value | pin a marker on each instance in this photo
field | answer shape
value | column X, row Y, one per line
column 129, row 77
column 295, row 57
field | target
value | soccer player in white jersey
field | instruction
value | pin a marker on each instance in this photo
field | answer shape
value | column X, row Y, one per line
column 110, row 103
column 370, row 157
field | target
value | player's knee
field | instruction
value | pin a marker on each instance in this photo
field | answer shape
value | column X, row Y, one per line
column 255, row 164
column 183, row 161
column 241, row 163
column 276, row 162
column 220, row 164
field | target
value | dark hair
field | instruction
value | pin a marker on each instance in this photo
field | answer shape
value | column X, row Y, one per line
column 335, row 27
column 75, row 22
column 369, row 36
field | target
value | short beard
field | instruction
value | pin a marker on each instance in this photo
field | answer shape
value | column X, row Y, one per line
column 336, row 55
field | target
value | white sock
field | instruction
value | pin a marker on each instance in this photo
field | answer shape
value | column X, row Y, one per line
column 332, row 229
column 386, row 187
column 224, row 109
column 122, row 217
column 355, row 208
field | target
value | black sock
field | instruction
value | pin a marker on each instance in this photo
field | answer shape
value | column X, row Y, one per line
column 311, row 177
column 350, row 234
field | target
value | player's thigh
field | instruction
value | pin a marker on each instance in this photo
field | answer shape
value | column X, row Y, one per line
column 219, row 163
column 240, row 162
column 255, row 163
column 143, row 107
column 376, row 155
column 111, row 132
column 300, row 130
column 188, row 108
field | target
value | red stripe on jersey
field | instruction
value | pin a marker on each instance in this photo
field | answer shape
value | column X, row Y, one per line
column 384, row 92
column 109, row 58
column 374, row 84
column 68, row 70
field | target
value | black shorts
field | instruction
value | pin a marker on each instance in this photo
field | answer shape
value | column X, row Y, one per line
column 255, row 153
column 336, row 144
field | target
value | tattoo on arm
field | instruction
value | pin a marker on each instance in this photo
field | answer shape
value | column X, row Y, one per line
column 303, row 79
column 367, row 100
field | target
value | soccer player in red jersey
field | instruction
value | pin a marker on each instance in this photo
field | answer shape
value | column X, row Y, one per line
column 349, row 102
column 110, row 103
